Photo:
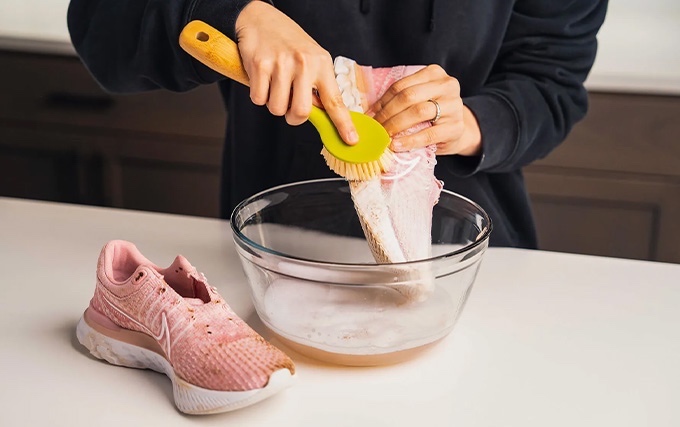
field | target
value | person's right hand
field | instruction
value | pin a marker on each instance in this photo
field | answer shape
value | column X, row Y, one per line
column 285, row 65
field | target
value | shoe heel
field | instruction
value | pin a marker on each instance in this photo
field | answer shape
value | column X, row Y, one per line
column 117, row 352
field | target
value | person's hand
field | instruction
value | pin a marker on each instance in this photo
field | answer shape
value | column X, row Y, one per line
column 407, row 103
column 285, row 66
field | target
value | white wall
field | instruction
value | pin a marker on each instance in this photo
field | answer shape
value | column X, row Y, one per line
column 639, row 47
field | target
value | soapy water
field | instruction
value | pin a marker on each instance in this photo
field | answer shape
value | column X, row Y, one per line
column 355, row 320
column 351, row 320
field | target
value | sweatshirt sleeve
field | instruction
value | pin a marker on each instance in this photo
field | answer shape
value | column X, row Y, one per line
column 132, row 45
column 534, row 94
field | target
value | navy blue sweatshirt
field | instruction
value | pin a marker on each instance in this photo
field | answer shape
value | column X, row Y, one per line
column 521, row 66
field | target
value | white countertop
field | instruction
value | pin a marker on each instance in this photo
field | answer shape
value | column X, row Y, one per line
column 546, row 339
column 638, row 44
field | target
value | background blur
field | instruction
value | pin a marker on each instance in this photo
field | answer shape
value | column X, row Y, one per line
column 613, row 188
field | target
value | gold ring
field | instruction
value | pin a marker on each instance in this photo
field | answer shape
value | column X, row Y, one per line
column 439, row 111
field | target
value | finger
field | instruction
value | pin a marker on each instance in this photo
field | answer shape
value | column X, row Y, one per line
column 412, row 96
column 422, row 76
column 280, row 91
column 418, row 113
column 301, row 103
column 336, row 109
column 419, row 77
column 428, row 136
column 260, row 76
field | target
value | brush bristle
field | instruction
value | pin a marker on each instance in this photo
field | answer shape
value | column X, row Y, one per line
column 359, row 171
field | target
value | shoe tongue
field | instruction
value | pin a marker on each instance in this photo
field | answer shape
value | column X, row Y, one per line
column 183, row 278
column 181, row 266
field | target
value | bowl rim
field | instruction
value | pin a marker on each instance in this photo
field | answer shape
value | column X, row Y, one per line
column 481, row 238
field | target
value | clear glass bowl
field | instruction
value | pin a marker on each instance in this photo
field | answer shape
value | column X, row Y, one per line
column 315, row 284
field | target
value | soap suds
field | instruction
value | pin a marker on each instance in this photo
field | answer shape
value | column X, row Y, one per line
column 355, row 320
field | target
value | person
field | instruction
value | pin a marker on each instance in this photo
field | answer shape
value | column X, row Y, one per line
column 507, row 76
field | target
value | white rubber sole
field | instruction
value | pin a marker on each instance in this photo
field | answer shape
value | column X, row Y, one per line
column 189, row 398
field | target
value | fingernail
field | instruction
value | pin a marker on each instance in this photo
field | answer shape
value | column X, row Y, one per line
column 353, row 136
column 370, row 113
column 396, row 145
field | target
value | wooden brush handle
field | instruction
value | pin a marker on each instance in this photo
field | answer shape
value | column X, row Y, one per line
column 213, row 49
column 217, row 51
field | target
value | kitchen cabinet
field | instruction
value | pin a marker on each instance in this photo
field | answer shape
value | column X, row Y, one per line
column 613, row 188
column 62, row 138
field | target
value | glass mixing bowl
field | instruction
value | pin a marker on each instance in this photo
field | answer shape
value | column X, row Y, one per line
column 315, row 284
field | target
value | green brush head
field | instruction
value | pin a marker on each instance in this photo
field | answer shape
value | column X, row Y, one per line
column 373, row 138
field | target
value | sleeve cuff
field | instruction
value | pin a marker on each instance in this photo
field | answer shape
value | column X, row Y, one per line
column 499, row 126
column 220, row 14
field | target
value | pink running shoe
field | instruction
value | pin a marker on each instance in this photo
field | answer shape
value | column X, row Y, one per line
column 172, row 321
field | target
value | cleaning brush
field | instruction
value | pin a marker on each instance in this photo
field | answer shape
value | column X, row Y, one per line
column 359, row 162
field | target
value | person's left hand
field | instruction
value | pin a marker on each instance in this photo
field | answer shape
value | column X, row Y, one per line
column 407, row 103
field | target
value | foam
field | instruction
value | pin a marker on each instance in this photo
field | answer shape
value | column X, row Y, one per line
column 355, row 320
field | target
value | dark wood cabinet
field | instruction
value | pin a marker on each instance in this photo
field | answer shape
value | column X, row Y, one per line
column 613, row 188
column 63, row 138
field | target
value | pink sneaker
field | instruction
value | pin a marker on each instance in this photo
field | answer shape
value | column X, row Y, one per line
column 170, row 320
